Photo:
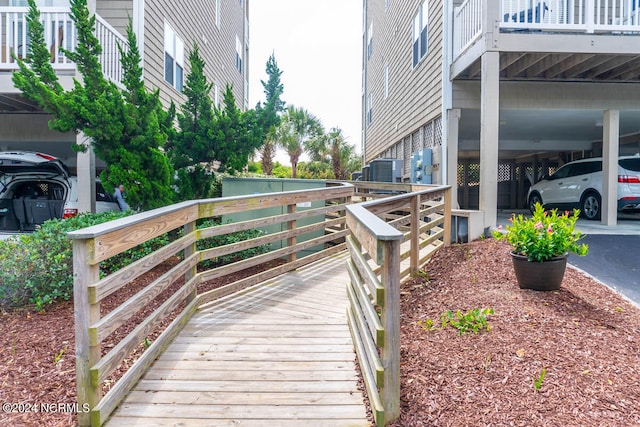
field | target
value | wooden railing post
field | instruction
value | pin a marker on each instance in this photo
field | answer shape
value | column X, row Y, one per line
column 391, row 324
column 415, row 235
column 188, row 251
column 448, row 200
column 85, row 273
column 291, row 225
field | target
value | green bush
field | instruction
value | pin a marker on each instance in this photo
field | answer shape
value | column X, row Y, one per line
column 227, row 239
column 37, row 268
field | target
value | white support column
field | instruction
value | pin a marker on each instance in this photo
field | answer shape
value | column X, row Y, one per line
column 610, row 149
column 86, row 162
column 453, row 121
column 489, row 125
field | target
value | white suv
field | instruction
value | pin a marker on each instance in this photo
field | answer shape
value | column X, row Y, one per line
column 579, row 185
column 35, row 187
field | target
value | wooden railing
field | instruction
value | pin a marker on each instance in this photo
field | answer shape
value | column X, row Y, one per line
column 467, row 24
column 415, row 218
column 93, row 245
column 60, row 32
column 385, row 234
column 617, row 17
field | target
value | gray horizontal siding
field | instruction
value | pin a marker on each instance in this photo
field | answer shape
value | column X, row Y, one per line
column 415, row 95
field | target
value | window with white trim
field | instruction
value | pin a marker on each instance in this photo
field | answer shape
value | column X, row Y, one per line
column 369, row 109
column 370, row 40
column 386, row 81
column 216, row 95
column 386, row 5
column 420, row 33
column 173, row 58
column 238, row 55
column 218, row 13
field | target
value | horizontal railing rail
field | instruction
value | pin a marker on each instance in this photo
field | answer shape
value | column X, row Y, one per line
column 406, row 228
column 326, row 234
column 616, row 17
column 60, row 33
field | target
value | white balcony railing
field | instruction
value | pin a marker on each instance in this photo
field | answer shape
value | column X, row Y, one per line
column 578, row 16
column 60, row 32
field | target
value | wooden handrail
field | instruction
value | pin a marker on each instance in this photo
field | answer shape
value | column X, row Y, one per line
column 375, row 269
column 96, row 244
column 373, row 239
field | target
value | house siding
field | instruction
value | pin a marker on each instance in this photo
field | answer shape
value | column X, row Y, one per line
column 116, row 13
column 195, row 24
column 415, row 94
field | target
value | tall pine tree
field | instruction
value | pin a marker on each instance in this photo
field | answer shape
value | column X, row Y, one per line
column 127, row 128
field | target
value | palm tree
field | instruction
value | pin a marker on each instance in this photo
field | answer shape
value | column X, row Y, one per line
column 297, row 127
column 333, row 148
column 268, row 152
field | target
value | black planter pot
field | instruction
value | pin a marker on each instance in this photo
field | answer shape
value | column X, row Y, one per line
column 539, row 276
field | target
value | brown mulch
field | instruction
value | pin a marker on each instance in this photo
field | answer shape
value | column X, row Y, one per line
column 584, row 335
column 37, row 370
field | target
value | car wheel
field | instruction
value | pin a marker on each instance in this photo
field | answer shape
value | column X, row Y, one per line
column 533, row 199
column 591, row 205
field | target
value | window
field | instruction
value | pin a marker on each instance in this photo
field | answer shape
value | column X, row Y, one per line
column 216, row 95
column 173, row 58
column 218, row 13
column 386, row 5
column 370, row 40
column 386, row 81
column 369, row 109
column 420, row 32
column 238, row 55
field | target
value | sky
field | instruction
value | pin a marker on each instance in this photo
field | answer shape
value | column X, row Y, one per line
column 318, row 48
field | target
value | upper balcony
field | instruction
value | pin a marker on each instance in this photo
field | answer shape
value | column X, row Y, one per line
column 549, row 39
column 60, row 32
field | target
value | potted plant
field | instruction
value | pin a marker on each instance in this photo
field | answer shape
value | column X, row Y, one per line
column 541, row 245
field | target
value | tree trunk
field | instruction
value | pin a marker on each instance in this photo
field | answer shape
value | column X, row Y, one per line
column 294, row 165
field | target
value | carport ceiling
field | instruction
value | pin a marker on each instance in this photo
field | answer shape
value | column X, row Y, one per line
column 15, row 103
column 548, row 125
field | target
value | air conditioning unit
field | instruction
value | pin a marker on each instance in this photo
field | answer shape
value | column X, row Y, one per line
column 365, row 174
column 385, row 170
column 356, row 176
column 421, row 164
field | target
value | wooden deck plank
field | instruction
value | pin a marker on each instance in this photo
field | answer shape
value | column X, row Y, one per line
column 171, row 354
column 193, row 422
column 249, row 386
column 241, row 375
column 222, row 398
column 230, row 340
column 249, row 366
column 279, row 355
column 236, row 412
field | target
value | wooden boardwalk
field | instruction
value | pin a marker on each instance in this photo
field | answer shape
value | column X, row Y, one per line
column 280, row 355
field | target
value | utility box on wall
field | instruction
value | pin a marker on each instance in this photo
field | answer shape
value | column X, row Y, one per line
column 232, row 186
column 421, row 163
column 466, row 225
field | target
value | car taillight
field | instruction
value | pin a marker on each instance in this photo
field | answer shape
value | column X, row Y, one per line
column 68, row 213
column 628, row 179
column 45, row 156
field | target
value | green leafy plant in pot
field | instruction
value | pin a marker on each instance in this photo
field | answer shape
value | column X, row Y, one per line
column 540, row 246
